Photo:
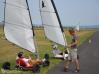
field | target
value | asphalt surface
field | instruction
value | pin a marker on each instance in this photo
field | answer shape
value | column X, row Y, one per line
column 89, row 58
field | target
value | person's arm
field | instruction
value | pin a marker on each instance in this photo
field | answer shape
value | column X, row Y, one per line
column 74, row 43
column 30, row 58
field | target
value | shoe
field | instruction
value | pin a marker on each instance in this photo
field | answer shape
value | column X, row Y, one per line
column 77, row 70
column 65, row 69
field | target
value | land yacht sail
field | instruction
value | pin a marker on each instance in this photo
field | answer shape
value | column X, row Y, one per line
column 51, row 22
column 18, row 24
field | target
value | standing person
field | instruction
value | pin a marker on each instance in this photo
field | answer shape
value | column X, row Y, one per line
column 73, row 57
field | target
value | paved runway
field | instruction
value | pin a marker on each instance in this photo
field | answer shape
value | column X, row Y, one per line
column 89, row 58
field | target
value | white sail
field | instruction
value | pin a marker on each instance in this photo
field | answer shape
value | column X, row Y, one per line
column 18, row 28
column 50, row 22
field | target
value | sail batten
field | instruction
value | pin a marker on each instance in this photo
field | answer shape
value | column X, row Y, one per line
column 18, row 26
column 52, row 25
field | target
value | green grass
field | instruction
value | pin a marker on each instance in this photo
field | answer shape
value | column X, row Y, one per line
column 8, row 50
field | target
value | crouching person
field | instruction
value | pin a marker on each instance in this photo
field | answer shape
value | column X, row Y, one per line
column 58, row 54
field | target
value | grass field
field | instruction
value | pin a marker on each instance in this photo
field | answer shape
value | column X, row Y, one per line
column 8, row 50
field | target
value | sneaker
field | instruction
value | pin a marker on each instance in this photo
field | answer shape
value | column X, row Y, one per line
column 65, row 69
column 77, row 70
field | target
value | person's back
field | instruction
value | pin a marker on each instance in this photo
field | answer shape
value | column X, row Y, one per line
column 20, row 62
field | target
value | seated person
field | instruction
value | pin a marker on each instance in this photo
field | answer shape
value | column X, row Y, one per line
column 57, row 53
column 24, row 62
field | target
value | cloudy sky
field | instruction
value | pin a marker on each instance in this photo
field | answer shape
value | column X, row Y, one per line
column 71, row 12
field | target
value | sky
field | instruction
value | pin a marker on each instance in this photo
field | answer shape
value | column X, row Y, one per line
column 71, row 12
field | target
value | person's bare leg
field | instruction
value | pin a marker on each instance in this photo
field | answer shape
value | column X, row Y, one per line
column 77, row 65
column 33, row 62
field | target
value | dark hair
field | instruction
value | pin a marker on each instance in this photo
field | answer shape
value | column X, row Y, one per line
column 20, row 54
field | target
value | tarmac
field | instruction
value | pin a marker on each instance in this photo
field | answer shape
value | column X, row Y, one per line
column 89, row 58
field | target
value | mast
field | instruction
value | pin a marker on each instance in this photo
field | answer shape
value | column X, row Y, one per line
column 30, row 17
column 37, row 54
column 4, row 11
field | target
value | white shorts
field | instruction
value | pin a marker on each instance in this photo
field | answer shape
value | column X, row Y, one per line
column 73, row 54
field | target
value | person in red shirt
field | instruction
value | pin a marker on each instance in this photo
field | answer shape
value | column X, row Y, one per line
column 26, row 62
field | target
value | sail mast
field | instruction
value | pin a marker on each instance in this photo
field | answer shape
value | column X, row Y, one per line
column 4, row 11
column 37, row 54
column 30, row 17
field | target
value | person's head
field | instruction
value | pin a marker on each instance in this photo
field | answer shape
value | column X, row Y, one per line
column 72, row 31
column 20, row 54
